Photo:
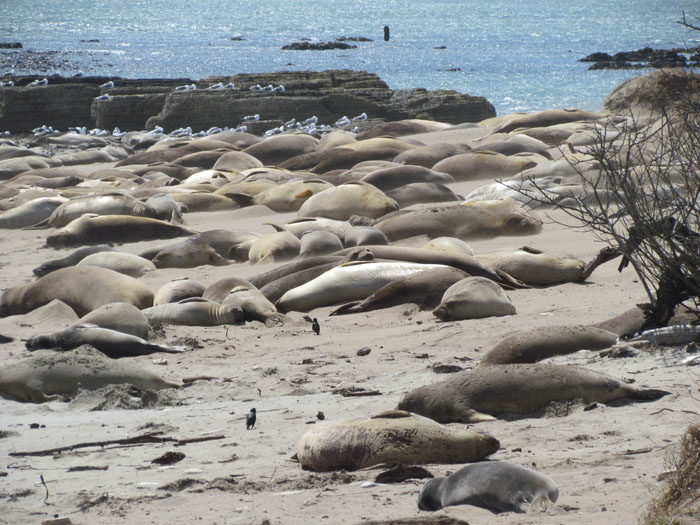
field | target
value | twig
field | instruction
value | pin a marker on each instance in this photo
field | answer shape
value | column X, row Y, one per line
column 46, row 498
column 136, row 440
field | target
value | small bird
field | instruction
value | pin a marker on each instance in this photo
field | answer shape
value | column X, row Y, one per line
column 341, row 122
column 106, row 96
column 315, row 326
column 250, row 419
column 106, row 85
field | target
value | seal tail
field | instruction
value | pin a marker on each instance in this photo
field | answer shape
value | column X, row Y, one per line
column 39, row 225
column 648, row 394
column 348, row 308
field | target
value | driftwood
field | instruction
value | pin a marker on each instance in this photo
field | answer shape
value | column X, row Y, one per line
column 142, row 439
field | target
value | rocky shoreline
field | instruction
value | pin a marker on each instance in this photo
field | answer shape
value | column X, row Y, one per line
column 135, row 104
column 645, row 58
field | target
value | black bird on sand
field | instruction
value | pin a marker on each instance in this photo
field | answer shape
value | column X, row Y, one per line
column 315, row 326
column 250, row 419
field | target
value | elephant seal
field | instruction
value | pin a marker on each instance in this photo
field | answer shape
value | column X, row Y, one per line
column 177, row 290
column 69, row 260
column 122, row 317
column 276, row 149
column 319, row 242
column 210, row 247
column 83, row 288
column 122, row 262
column 93, row 229
column 112, row 343
column 47, row 375
column 351, row 198
column 289, row 196
column 274, row 247
column 349, row 282
column 363, row 236
column 476, row 165
column 535, row 267
column 531, row 346
column 423, row 193
column 497, row 486
column 391, row 178
column 424, row 289
column 448, row 244
column 473, row 298
column 236, row 161
column 255, row 306
column 478, row 395
column 389, row 437
column 428, row 156
column 110, row 204
column 218, row 290
column 194, row 312
column 461, row 221
column 30, row 213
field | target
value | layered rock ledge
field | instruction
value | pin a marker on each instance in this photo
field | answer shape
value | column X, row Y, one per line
column 136, row 104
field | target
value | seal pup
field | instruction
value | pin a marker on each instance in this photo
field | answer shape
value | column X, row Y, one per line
column 473, row 298
column 480, row 394
column 497, row 486
column 394, row 436
column 112, row 343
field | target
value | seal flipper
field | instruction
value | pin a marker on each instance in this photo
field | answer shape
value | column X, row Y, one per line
column 472, row 416
column 647, row 394
column 346, row 308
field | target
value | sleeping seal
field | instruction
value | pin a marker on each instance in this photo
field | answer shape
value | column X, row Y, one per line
column 479, row 394
column 497, row 486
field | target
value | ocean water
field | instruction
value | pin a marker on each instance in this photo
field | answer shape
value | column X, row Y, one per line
column 520, row 55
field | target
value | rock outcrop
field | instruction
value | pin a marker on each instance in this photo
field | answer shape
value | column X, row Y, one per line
column 146, row 103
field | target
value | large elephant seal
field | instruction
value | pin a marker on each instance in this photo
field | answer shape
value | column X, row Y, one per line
column 194, row 312
column 319, row 242
column 112, row 343
column 476, row 165
column 423, row 193
column 389, row 437
column 351, row 198
column 30, row 213
column 177, row 290
column 391, row 178
column 448, row 244
column 479, row 394
column 497, row 486
column 535, row 267
column 473, row 298
column 111, row 204
column 83, row 288
column 273, row 247
column 48, row 375
column 530, row 346
column 122, row 317
column 69, row 260
column 122, row 262
column 94, row 229
column 461, row 221
column 424, row 289
column 349, row 282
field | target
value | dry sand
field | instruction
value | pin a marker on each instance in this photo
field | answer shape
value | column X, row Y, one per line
column 606, row 460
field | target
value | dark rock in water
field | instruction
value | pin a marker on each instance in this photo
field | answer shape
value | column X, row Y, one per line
column 10, row 45
column 354, row 39
column 642, row 58
column 317, row 46
column 137, row 104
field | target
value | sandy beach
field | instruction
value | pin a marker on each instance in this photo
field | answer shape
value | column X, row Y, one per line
column 607, row 460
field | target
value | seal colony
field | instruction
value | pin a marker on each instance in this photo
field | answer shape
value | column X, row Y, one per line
column 215, row 263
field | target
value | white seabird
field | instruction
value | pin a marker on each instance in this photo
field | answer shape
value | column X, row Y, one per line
column 43, row 82
column 241, row 129
column 278, row 89
column 251, row 118
column 310, row 120
column 109, row 84
column 106, row 96
column 268, row 88
column 344, row 121
column 116, row 132
column 9, row 83
column 217, row 86
column 256, row 87
column 361, row 116
column 230, row 85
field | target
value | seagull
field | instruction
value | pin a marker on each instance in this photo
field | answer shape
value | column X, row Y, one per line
column 6, row 133
column 116, row 132
column 251, row 118
column 344, row 121
column 109, row 84
column 229, row 86
column 157, row 130
column 213, row 130
column 279, row 89
column 310, row 120
column 241, row 129
column 9, row 83
column 79, row 130
column 250, row 419
column 274, row 131
column 315, row 326
column 220, row 85
column 361, row 116
column 42, row 82
column 268, row 88
column 106, row 96
column 355, row 130
column 256, row 87
column 290, row 123
column 183, row 88
column 78, row 74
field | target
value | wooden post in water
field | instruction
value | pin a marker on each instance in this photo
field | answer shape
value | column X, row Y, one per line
column 386, row 33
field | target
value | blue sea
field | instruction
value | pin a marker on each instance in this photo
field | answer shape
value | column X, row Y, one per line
column 520, row 55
